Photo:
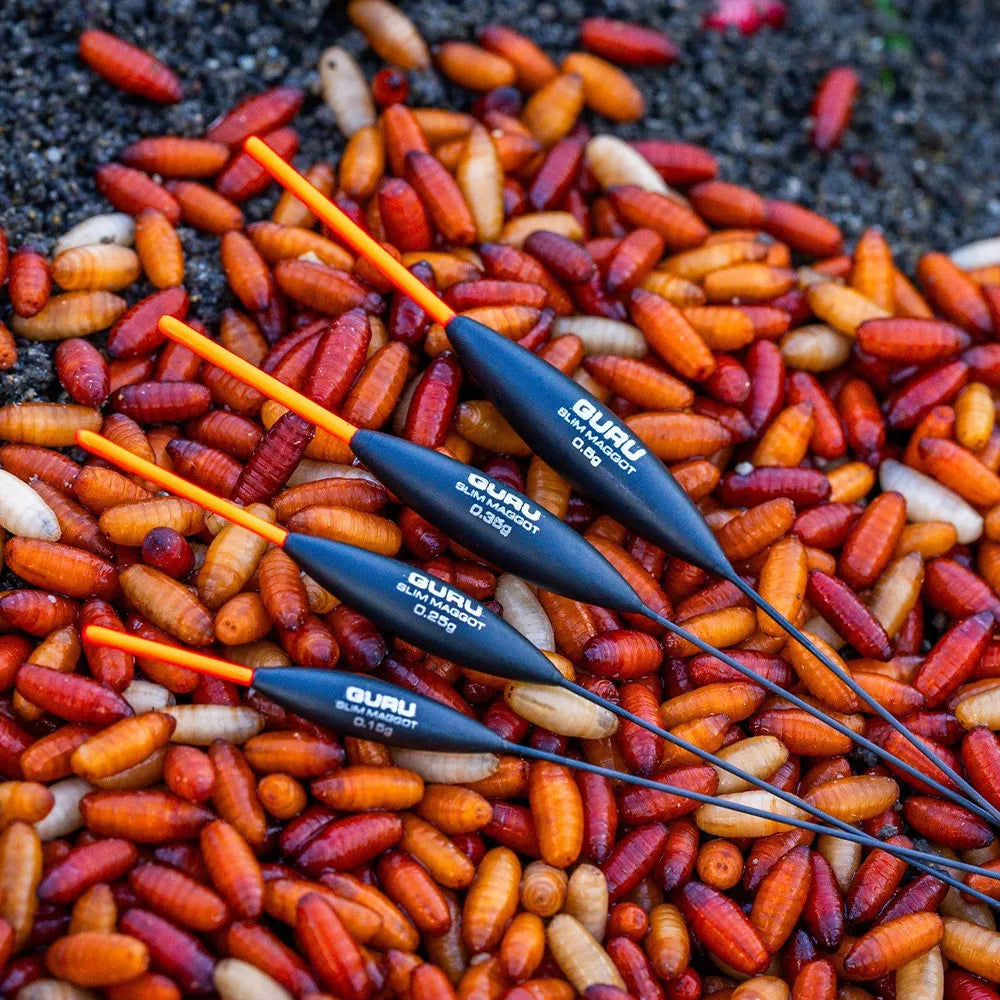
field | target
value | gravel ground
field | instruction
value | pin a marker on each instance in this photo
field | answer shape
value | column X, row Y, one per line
column 919, row 160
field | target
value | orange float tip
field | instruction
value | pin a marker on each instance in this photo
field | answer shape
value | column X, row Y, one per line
column 97, row 635
column 117, row 455
column 250, row 375
column 352, row 234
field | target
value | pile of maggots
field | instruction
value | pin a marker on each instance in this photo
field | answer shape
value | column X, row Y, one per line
column 279, row 863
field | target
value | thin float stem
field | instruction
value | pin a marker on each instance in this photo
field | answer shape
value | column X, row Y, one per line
column 858, row 836
column 816, row 713
column 976, row 802
column 850, row 834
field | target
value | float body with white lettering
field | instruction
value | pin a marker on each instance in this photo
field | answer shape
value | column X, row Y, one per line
column 574, row 432
column 496, row 521
column 578, row 436
column 421, row 609
column 357, row 705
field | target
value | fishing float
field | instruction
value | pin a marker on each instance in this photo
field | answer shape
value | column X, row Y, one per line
column 359, row 705
column 579, row 437
column 393, row 593
column 551, row 555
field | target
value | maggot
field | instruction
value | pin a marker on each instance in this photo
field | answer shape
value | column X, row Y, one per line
column 345, row 90
column 23, row 512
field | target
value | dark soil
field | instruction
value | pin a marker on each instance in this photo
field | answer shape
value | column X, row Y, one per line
column 920, row 159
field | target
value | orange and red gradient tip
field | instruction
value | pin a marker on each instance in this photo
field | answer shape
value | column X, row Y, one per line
column 97, row 635
column 352, row 234
column 173, row 483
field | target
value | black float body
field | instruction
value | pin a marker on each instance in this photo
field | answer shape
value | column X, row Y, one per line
column 577, row 435
column 421, row 609
column 362, row 706
column 495, row 520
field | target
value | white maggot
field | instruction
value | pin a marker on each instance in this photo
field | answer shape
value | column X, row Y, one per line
column 580, row 956
column 559, row 711
column 54, row 989
column 23, row 512
column 613, row 161
column 896, row 591
column 956, row 905
column 815, row 348
column 718, row 821
column 587, row 899
column 146, row 696
column 922, row 978
column 260, row 654
column 441, row 768
column 980, row 709
column 822, row 629
column 981, row 253
column 521, row 227
column 601, row 335
column 309, row 471
column 199, row 725
column 112, row 227
column 235, row 979
column 761, row 756
column 64, row 816
column 843, row 857
column 927, row 500
column 480, row 177
column 523, row 611
column 345, row 90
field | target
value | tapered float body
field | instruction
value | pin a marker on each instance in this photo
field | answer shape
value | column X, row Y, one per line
column 569, row 429
column 498, row 522
column 357, row 705
column 442, row 619
column 421, row 609
column 576, row 434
